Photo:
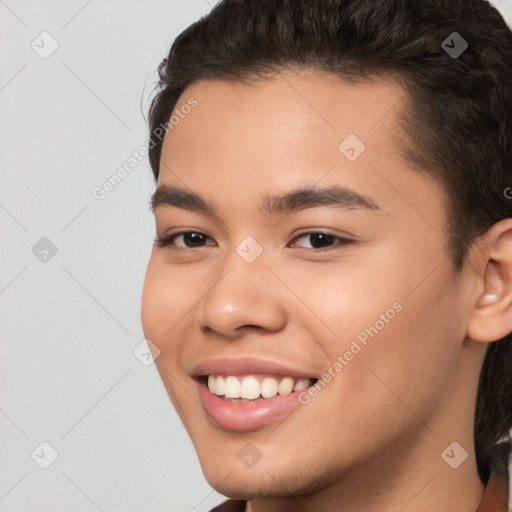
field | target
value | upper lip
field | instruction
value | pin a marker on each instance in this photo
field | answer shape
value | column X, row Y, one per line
column 246, row 366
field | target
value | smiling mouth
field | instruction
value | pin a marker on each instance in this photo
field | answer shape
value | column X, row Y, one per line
column 254, row 387
column 247, row 402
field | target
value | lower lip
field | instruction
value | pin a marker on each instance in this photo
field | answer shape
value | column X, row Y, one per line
column 246, row 416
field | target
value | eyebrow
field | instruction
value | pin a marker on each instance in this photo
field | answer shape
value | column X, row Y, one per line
column 333, row 196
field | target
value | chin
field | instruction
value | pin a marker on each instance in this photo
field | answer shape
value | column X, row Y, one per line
column 247, row 484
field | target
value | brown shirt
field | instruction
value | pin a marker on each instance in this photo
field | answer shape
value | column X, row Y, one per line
column 495, row 498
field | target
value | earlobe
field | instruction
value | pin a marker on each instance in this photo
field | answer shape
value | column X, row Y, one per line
column 491, row 297
column 491, row 317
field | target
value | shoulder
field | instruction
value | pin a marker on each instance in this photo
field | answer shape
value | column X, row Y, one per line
column 230, row 506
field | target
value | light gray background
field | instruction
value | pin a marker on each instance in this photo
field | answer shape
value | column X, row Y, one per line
column 69, row 325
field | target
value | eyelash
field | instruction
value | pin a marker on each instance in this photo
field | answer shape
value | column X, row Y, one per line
column 168, row 240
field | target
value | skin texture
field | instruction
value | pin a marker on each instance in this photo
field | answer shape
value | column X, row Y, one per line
column 372, row 439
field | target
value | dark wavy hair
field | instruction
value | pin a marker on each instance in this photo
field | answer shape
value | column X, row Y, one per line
column 457, row 112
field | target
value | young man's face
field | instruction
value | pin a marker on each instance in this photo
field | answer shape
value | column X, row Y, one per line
column 382, row 316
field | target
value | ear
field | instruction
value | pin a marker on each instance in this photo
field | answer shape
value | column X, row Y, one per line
column 491, row 315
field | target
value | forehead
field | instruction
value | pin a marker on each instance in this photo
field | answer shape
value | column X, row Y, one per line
column 319, row 98
column 296, row 127
column 305, row 111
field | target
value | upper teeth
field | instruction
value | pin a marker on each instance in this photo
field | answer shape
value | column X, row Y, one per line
column 249, row 387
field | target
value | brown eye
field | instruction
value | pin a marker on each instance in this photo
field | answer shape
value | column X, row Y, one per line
column 191, row 239
column 320, row 240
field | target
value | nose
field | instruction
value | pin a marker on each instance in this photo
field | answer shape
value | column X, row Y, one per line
column 245, row 296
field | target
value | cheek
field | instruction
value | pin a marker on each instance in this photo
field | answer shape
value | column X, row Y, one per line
column 404, row 367
column 342, row 299
column 398, row 343
column 163, row 301
column 151, row 299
